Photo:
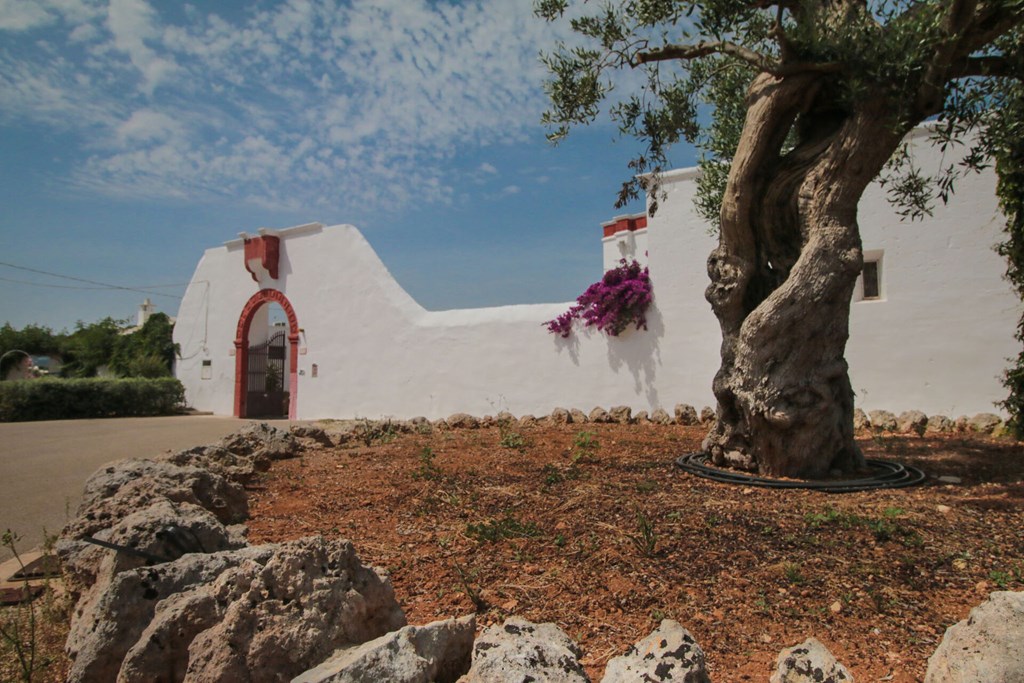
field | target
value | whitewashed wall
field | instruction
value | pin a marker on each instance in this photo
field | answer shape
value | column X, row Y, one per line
column 937, row 340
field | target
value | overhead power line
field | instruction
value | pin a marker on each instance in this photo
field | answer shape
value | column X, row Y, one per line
column 98, row 285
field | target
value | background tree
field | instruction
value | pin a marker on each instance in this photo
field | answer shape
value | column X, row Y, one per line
column 796, row 105
column 147, row 352
column 1010, row 165
column 90, row 347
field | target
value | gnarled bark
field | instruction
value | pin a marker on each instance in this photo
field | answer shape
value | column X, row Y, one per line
column 782, row 278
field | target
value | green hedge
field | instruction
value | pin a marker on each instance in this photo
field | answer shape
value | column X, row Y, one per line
column 66, row 399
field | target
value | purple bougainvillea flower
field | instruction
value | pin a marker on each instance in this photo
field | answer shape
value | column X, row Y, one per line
column 620, row 298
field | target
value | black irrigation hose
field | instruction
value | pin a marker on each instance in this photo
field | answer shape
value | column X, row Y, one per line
column 885, row 475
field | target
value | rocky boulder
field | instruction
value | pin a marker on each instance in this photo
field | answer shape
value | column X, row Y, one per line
column 809, row 662
column 599, row 415
column 264, row 613
column 103, row 630
column 436, row 653
column 912, row 422
column 578, row 416
column 669, row 654
column 860, row 420
column 462, row 421
column 660, row 417
column 987, row 646
column 560, row 416
column 520, row 651
column 420, row 424
column 984, row 423
column 162, row 531
column 707, row 415
column 310, row 433
column 261, row 440
column 234, row 467
column 140, row 482
column 622, row 415
column 882, row 421
column 940, row 423
column 686, row 415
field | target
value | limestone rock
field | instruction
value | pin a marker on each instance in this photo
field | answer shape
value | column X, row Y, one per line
column 521, row 651
column 527, row 421
column 439, row 652
column 578, row 416
column 261, row 440
column 505, row 417
column 669, row 654
column 462, row 421
column 707, row 415
column 984, row 647
column 599, row 415
column 420, row 424
column 984, row 423
column 860, row 420
column 641, row 417
column 148, row 480
column 232, row 466
column 311, row 433
column 660, row 417
column 104, row 629
column 912, row 422
column 623, row 415
column 560, row 416
column 940, row 423
column 809, row 662
column 263, row 613
column 882, row 421
column 164, row 529
column 686, row 414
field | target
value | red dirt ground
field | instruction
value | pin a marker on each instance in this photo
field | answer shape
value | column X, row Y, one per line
column 593, row 528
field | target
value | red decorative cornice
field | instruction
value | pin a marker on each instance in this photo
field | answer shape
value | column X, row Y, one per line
column 266, row 250
column 624, row 224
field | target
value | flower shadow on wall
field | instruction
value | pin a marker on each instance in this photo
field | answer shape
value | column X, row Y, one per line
column 640, row 352
column 620, row 298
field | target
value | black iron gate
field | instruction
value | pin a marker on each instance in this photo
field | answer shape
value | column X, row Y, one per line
column 266, row 394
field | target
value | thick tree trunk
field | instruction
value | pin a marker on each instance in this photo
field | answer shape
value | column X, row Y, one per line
column 782, row 278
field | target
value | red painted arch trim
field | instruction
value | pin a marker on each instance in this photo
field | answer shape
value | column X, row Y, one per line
column 265, row 296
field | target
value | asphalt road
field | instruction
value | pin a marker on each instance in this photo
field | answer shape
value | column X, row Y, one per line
column 43, row 465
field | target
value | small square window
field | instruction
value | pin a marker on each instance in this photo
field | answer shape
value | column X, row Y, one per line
column 207, row 369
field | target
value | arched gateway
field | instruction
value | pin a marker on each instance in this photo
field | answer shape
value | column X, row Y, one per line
column 242, row 351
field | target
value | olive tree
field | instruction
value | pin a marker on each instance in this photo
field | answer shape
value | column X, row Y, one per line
column 796, row 106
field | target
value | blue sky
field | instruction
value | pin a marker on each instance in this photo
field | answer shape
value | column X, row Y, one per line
column 135, row 134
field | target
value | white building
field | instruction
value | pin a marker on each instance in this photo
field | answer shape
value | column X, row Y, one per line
column 931, row 330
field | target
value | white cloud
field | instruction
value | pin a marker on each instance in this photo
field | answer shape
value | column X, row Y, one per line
column 18, row 15
column 146, row 126
column 307, row 103
column 132, row 22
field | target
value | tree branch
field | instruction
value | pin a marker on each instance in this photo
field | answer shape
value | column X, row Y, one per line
column 702, row 49
column 983, row 66
column 760, row 61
